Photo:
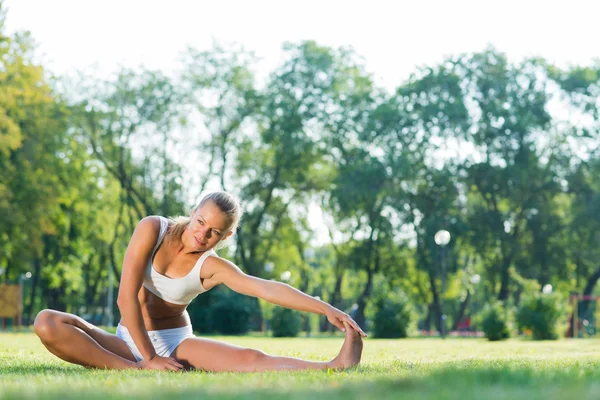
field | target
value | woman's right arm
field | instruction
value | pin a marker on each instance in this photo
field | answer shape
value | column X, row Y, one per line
column 136, row 259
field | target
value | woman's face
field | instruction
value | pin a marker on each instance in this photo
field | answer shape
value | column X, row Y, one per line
column 208, row 226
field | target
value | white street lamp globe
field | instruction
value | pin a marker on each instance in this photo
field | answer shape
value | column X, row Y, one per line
column 285, row 276
column 547, row 289
column 442, row 237
column 475, row 279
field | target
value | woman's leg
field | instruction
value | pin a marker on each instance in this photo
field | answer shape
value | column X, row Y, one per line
column 211, row 355
column 74, row 340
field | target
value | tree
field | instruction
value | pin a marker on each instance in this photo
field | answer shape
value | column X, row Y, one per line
column 127, row 124
column 423, row 193
column 508, row 111
column 32, row 158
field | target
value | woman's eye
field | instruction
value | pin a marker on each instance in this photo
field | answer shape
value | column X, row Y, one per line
column 200, row 222
column 217, row 233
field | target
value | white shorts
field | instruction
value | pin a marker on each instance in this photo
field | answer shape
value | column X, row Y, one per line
column 165, row 341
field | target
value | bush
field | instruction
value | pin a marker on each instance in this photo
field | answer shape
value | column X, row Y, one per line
column 496, row 321
column 232, row 312
column 285, row 322
column 541, row 313
column 392, row 316
column 222, row 311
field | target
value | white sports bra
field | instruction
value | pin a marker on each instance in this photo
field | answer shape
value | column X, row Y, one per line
column 174, row 290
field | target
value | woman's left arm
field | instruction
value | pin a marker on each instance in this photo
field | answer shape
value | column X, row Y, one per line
column 278, row 293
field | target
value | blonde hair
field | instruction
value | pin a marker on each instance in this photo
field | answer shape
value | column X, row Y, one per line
column 227, row 203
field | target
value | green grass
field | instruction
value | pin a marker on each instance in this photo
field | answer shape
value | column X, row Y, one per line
column 391, row 369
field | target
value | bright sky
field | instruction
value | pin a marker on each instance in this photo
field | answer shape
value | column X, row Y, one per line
column 393, row 36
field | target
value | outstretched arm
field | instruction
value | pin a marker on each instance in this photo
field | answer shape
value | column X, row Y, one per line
column 276, row 292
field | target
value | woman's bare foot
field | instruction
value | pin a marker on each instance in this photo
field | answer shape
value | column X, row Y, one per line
column 351, row 350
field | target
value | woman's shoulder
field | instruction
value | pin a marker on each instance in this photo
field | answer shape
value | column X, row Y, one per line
column 149, row 222
column 146, row 232
column 210, row 267
column 153, row 224
column 214, row 262
column 160, row 219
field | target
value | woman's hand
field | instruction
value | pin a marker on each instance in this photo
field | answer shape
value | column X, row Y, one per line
column 161, row 364
column 337, row 318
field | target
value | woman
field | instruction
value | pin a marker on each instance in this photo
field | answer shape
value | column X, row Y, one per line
column 166, row 265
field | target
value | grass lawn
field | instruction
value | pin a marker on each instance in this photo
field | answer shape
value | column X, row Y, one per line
column 391, row 369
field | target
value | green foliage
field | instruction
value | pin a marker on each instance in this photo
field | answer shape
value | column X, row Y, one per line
column 221, row 311
column 496, row 321
column 392, row 316
column 80, row 167
column 285, row 322
column 541, row 313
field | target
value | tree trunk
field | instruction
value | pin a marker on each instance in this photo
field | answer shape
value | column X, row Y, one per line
column 591, row 283
column 362, row 300
column 436, row 308
column 304, row 289
column 55, row 299
column 428, row 317
column 504, row 281
column 7, row 271
column 587, row 291
column 37, row 270
column 461, row 311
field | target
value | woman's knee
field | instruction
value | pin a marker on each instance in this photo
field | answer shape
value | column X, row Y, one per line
column 45, row 324
column 252, row 356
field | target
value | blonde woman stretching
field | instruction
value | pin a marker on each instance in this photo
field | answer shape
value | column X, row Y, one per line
column 166, row 265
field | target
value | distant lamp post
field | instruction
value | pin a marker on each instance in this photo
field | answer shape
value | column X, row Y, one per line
column 442, row 238
column 22, row 278
column 547, row 289
column 110, row 318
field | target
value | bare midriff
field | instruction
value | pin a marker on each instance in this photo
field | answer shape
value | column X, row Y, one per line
column 159, row 314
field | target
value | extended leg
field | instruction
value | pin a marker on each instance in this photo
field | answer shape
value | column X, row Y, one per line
column 211, row 355
column 74, row 340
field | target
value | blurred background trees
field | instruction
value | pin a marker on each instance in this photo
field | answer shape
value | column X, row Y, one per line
column 504, row 156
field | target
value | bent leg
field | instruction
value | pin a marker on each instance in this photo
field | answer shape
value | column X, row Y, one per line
column 215, row 356
column 74, row 340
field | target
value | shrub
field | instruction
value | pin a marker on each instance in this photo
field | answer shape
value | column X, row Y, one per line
column 232, row 312
column 285, row 322
column 221, row 311
column 541, row 313
column 392, row 316
column 496, row 321
column 200, row 311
